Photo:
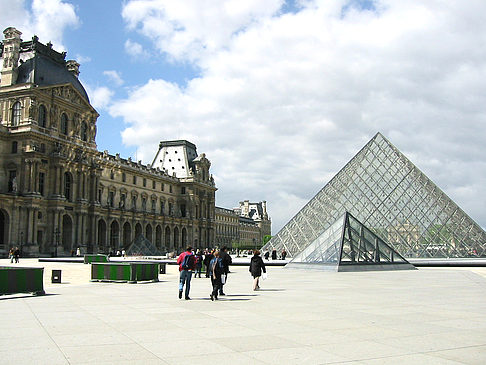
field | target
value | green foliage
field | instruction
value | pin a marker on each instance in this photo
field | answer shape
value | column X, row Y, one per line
column 266, row 238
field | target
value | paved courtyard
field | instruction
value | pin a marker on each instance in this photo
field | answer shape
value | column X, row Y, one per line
column 427, row 316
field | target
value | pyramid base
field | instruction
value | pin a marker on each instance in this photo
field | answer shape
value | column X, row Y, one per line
column 311, row 266
column 349, row 268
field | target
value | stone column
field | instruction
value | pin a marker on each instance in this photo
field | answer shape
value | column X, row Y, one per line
column 29, row 234
column 83, row 188
column 60, row 181
column 78, row 186
column 34, row 225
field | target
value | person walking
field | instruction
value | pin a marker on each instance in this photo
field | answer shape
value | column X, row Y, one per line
column 216, row 271
column 226, row 261
column 199, row 263
column 187, row 263
column 11, row 255
column 284, row 254
column 256, row 267
column 207, row 260
column 267, row 254
column 16, row 255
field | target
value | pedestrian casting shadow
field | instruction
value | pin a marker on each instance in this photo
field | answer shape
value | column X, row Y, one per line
column 14, row 296
column 271, row 289
column 240, row 295
column 225, row 299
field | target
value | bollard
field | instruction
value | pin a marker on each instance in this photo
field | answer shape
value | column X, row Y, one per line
column 56, row 276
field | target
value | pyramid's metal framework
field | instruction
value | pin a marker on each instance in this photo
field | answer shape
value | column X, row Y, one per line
column 347, row 245
column 141, row 246
column 392, row 197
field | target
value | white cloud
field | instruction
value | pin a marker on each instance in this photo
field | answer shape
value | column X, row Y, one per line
column 82, row 59
column 135, row 49
column 114, row 76
column 100, row 96
column 190, row 29
column 283, row 101
column 45, row 18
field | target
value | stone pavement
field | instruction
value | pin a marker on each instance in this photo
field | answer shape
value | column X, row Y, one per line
column 427, row 316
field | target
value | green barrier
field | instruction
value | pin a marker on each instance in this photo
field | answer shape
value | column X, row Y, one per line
column 146, row 271
column 21, row 280
column 130, row 272
column 88, row 259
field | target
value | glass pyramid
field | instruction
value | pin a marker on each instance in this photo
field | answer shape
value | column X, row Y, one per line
column 347, row 245
column 392, row 197
column 141, row 246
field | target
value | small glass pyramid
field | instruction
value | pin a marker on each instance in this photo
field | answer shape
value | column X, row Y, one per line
column 347, row 245
column 141, row 246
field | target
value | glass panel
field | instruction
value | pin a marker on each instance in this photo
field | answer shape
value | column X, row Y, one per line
column 324, row 249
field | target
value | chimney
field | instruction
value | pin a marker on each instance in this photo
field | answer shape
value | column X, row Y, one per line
column 73, row 67
column 264, row 206
column 11, row 48
column 246, row 208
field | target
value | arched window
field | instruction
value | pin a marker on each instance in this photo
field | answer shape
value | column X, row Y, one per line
column 64, row 124
column 68, row 182
column 84, row 131
column 16, row 113
column 42, row 116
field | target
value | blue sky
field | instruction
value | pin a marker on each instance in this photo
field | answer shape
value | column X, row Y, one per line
column 102, row 49
column 280, row 95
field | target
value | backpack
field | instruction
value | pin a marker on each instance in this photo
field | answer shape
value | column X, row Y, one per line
column 216, row 267
column 188, row 262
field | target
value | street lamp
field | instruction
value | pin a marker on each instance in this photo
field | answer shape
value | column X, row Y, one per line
column 57, row 234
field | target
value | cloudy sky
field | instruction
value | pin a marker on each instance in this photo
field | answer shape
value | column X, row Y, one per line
column 281, row 94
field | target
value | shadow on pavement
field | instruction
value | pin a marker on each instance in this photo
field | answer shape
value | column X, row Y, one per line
column 16, row 296
column 271, row 289
column 239, row 295
column 225, row 299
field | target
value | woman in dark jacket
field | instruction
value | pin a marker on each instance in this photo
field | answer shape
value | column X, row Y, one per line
column 215, row 271
column 256, row 267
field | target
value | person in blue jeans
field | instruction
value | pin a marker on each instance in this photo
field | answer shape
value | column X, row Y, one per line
column 187, row 264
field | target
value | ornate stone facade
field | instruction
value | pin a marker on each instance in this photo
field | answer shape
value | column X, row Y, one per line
column 58, row 192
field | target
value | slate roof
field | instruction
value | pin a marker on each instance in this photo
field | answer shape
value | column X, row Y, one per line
column 41, row 65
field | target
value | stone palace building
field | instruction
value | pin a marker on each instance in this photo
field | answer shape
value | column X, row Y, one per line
column 243, row 227
column 58, row 192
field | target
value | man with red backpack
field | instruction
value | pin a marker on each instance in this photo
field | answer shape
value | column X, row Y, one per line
column 187, row 263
